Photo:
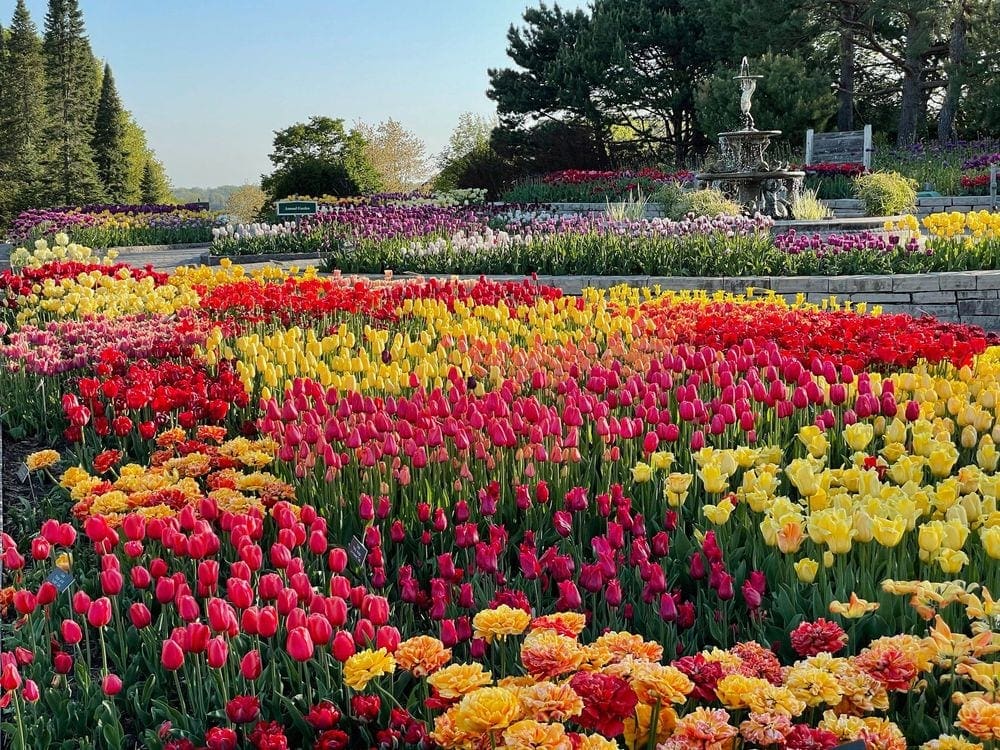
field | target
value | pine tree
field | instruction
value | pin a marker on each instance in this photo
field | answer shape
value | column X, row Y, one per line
column 69, row 67
column 22, row 111
column 110, row 153
column 152, row 187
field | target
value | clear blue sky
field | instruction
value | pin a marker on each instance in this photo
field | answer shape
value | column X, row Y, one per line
column 210, row 80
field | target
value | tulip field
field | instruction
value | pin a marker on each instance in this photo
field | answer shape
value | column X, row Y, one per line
column 279, row 509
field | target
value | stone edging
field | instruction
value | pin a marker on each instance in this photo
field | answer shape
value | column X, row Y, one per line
column 971, row 297
column 126, row 250
column 214, row 260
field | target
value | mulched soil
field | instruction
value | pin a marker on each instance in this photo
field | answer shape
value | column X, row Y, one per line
column 16, row 493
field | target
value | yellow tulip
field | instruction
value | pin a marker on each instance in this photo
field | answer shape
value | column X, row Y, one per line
column 853, row 608
column 858, row 435
column 806, row 569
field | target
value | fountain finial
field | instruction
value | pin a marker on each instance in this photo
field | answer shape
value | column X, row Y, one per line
column 748, row 84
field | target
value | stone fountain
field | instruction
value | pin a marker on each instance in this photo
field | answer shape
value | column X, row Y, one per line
column 743, row 173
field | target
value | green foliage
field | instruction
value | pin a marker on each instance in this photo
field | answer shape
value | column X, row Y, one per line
column 396, row 154
column 310, row 176
column 632, row 208
column 830, row 187
column 246, row 202
column 319, row 157
column 671, row 197
column 22, row 115
column 481, row 168
column 216, row 197
column 810, row 208
column 708, row 202
column 154, row 187
column 71, row 78
column 110, row 153
column 791, row 97
column 886, row 193
column 469, row 142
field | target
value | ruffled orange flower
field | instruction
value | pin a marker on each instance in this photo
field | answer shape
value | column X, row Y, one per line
column 487, row 710
column 532, row 735
column 655, row 683
column 980, row 718
column 704, row 728
column 458, row 679
column 550, row 701
column 501, row 622
column 570, row 624
column 546, row 654
column 620, row 645
column 890, row 665
column 422, row 655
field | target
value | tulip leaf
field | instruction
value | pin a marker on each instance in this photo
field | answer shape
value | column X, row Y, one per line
column 295, row 714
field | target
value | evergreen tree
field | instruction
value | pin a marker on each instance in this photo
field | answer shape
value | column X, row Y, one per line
column 154, row 187
column 69, row 66
column 22, row 112
column 110, row 153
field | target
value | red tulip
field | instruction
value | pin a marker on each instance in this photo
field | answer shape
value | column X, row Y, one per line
column 343, row 646
column 323, row 716
column 299, row 644
column 243, row 709
column 250, row 665
column 99, row 612
column 111, row 582
column 221, row 738
column 111, row 684
column 24, row 601
column 171, row 655
column 72, row 633
column 10, row 678
column 30, row 691
column 387, row 637
column 140, row 615
column 217, row 652
column 47, row 593
column 62, row 662
column 40, row 548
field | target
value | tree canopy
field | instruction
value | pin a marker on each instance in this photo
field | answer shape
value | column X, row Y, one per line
column 652, row 78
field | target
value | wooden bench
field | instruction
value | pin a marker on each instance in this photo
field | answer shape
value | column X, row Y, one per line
column 854, row 147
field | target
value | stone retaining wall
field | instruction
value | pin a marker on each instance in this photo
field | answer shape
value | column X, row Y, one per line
column 842, row 207
column 971, row 297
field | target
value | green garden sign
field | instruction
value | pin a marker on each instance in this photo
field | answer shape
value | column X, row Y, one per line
column 296, row 208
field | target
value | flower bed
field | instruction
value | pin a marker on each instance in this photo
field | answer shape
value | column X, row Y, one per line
column 586, row 185
column 303, row 511
column 113, row 225
column 437, row 240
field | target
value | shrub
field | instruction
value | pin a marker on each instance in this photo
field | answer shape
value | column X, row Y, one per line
column 669, row 196
column 629, row 209
column 810, row 208
column 709, row 202
column 886, row 193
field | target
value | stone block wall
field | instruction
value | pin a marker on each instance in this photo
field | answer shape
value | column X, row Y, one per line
column 971, row 297
column 843, row 208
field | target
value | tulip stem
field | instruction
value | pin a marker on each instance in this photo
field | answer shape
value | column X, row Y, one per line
column 180, row 695
column 20, row 722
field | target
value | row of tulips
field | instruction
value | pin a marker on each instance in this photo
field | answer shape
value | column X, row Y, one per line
column 303, row 511
column 111, row 225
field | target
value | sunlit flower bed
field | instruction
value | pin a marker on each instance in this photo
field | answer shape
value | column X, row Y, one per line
column 112, row 225
column 432, row 239
column 300, row 511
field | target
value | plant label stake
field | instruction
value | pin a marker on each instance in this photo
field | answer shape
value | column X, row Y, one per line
column 357, row 551
column 60, row 579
